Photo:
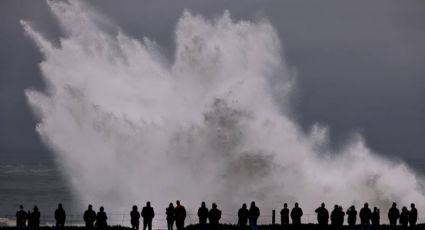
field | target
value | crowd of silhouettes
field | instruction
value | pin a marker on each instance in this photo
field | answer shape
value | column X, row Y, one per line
column 210, row 218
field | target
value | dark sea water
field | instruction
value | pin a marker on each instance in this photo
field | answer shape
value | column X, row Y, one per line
column 29, row 179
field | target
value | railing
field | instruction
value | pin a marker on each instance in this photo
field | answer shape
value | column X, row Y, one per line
column 160, row 222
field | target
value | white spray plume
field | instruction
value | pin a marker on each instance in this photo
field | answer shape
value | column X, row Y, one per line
column 127, row 127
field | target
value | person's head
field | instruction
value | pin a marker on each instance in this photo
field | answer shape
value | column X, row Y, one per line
column 203, row 204
column 101, row 209
column 21, row 207
column 171, row 204
column 244, row 206
column 322, row 205
column 353, row 207
column 148, row 204
column 59, row 205
column 35, row 208
column 90, row 207
column 375, row 209
column 285, row 205
column 214, row 205
column 394, row 204
column 404, row 209
column 178, row 202
column 296, row 204
column 336, row 206
column 412, row 205
column 134, row 207
column 253, row 204
column 366, row 205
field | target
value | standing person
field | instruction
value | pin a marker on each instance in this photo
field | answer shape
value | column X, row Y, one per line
column 352, row 216
column 135, row 218
column 101, row 219
column 21, row 217
column 253, row 214
column 214, row 216
column 34, row 218
column 89, row 217
column 413, row 215
column 296, row 214
column 60, row 216
column 284, row 215
column 404, row 217
column 365, row 215
column 180, row 215
column 203, row 214
column 393, row 214
column 170, row 216
column 341, row 215
column 243, row 215
column 335, row 216
column 148, row 214
column 375, row 218
column 322, row 215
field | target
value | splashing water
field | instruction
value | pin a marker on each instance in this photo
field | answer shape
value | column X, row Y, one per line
column 126, row 126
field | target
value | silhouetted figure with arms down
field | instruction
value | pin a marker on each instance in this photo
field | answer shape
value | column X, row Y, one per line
column 253, row 214
column 341, row 215
column 393, row 215
column 335, row 216
column 148, row 214
column 284, row 215
column 296, row 214
column 365, row 215
column 170, row 216
column 34, row 218
column 203, row 214
column 89, row 217
column 214, row 216
column 322, row 215
column 180, row 215
column 375, row 218
column 413, row 215
column 352, row 216
column 101, row 219
column 135, row 218
column 21, row 217
column 404, row 217
column 60, row 216
column 243, row 215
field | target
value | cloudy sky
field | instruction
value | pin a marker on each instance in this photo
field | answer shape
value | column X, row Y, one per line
column 360, row 64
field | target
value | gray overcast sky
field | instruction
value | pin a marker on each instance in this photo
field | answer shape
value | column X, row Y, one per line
column 360, row 63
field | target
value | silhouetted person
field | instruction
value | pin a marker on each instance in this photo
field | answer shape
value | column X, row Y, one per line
column 365, row 215
column 243, row 215
column 404, row 217
column 284, row 215
column 135, row 218
column 21, row 217
column 34, row 218
column 335, row 216
column 89, row 217
column 170, row 216
column 214, row 216
column 352, row 216
column 203, row 214
column 296, row 214
column 393, row 215
column 148, row 214
column 29, row 219
column 101, row 219
column 253, row 214
column 60, row 216
column 180, row 215
column 413, row 215
column 322, row 215
column 375, row 218
column 341, row 215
